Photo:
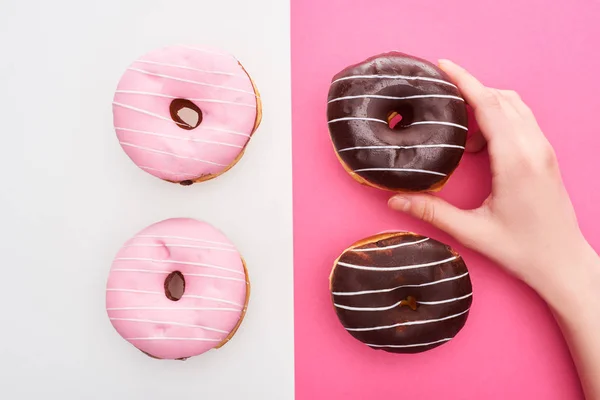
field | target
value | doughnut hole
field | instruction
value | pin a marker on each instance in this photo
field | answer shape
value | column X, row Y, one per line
column 185, row 114
column 410, row 302
column 174, row 286
column 400, row 117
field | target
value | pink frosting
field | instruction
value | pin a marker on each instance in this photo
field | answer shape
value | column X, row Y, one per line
column 211, row 305
column 212, row 80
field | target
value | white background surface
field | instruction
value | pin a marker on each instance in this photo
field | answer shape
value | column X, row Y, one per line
column 71, row 197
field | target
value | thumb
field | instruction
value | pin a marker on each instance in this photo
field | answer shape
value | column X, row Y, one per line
column 459, row 223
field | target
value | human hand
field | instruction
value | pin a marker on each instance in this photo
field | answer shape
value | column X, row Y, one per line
column 527, row 224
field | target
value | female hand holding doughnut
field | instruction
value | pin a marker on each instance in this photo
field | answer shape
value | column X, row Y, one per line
column 527, row 224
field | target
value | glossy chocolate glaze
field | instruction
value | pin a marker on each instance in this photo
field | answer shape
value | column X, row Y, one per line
column 349, row 280
column 353, row 133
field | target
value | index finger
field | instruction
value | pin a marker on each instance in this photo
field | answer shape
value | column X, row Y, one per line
column 474, row 91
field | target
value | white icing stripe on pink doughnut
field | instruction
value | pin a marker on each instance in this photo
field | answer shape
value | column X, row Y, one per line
column 174, row 339
column 192, row 296
column 178, row 138
column 424, row 171
column 166, row 96
column 416, row 146
column 210, row 306
column 399, row 287
column 148, row 321
column 400, row 346
column 169, row 154
column 139, row 110
column 432, row 303
column 406, row 77
column 226, row 131
column 142, row 71
column 408, row 323
column 180, row 245
column 186, row 67
column 184, row 238
column 358, row 119
column 377, row 96
column 385, row 308
column 395, row 246
column 174, row 309
column 165, row 172
column 405, row 267
column 208, row 90
column 168, row 119
column 151, row 271
column 132, row 291
column 438, row 123
column 195, row 264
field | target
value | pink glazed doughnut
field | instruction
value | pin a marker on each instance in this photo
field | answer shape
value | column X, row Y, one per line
column 177, row 289
column 185, row 114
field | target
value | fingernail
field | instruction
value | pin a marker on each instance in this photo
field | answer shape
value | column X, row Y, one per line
column 445, row 61
column 399, row 203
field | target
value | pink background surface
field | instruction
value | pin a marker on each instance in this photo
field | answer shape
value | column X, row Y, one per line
column 510, row 346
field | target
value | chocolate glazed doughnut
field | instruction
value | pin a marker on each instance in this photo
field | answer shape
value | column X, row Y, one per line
column 401, row 292
column 420, row 152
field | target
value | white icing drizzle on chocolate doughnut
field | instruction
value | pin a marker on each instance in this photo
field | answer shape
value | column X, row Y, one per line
column 416, row 153
column 404, row 267
column 400, row 346
column 357, row 119
column 416, row 96
column 395, row 246
column 416, row 146
column 408, row 323
column 423, row 171
column 384, row 308
column 406, row 77
column 362, row 292
column 401, row 289
column 432, row 303
column 404, row 126
column 438, row 123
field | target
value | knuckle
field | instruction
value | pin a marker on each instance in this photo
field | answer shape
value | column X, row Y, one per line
column 491, row 98
column 541, row 158
column 547, row 156
column 427, row 212
column 512, row 95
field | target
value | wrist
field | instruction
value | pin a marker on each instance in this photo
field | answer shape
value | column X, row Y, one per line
column 574, row 284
